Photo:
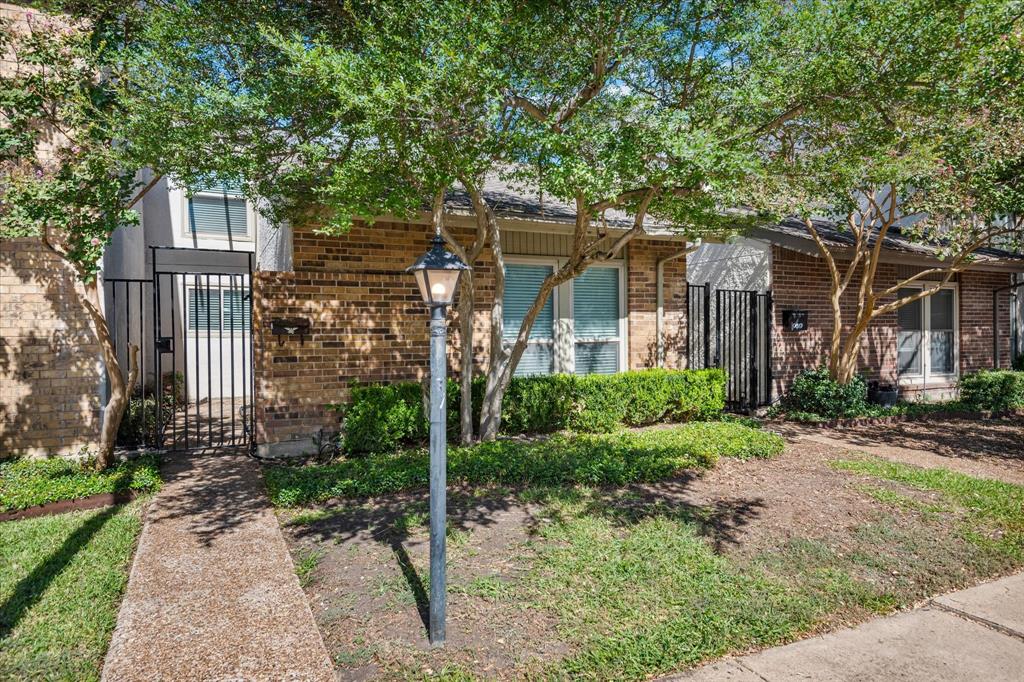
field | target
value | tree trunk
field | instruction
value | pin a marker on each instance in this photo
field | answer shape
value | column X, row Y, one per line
column 467, row 301
column 114, row 410
column 490, row 409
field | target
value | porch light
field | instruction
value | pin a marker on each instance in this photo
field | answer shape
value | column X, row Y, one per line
column 437, row 274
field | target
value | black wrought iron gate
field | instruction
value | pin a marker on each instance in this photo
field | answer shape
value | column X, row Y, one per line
column 203, row 349
column 731, row 329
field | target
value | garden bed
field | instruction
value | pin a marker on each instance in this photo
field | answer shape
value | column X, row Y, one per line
column 39, row 484
column 647, row 577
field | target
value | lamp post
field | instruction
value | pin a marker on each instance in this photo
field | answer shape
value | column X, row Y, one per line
column 437, row 274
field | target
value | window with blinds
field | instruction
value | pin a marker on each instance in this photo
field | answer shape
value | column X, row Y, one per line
column 219, row 211
column 596, row 313
column 217, row 309
column 522, row 283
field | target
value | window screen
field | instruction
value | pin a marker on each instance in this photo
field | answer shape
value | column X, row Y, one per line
column 596, row 321
column 941, row 332
column 203, row 309
column 219, row 212
column 522, row 282
column 910, row 335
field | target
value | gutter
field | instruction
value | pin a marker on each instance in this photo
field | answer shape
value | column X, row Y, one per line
column 660, row 284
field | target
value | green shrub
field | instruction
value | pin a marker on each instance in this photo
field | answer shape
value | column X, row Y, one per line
column 382, row 417
column 996, row 391
column 28, row 482
column 565, row 459
column 813, row 391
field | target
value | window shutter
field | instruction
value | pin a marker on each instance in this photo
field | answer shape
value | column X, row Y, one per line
column 218, row 215
column 596, row 321
column 522, row 282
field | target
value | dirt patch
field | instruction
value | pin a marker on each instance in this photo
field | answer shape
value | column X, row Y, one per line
column 859, row 545
column 992, row 448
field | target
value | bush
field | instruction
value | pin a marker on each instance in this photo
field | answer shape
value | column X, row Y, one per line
column 139, row 420
column 382, row 417
column 601, row 459
column 815, row 392
column 28, row 482
column 995, row 391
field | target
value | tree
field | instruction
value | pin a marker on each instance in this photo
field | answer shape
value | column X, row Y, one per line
column 627, row 107
column 62, row 177
column 921, row 143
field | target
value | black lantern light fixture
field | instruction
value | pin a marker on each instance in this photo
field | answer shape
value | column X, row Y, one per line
column 437, row 275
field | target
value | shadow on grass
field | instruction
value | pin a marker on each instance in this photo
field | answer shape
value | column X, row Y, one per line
column 413, row 578
column 32, row 587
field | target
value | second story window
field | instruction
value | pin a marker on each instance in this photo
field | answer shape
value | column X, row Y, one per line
column 219, row 212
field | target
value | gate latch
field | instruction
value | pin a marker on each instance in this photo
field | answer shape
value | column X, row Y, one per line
column 164, row 344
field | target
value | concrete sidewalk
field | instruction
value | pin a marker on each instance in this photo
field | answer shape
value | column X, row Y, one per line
column 975, row 634
column 213, row 593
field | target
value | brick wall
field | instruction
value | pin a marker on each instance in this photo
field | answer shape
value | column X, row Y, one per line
column 49, row 358
column 801, row 281
column 369, row 323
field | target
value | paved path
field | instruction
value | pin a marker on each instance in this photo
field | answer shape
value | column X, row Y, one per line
column 976, row 634
column 213, row 593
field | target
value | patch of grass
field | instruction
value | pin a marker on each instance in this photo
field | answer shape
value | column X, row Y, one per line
column 896, row 499
column 651, row 597
column 491, row 588
column 994, row 509
column 608, row 459
column 61, row 582
column 308, row 517
column 305, row 565
column 26, row 483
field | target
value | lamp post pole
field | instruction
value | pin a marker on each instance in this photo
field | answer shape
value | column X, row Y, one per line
column 437, row 276
column 438, row 474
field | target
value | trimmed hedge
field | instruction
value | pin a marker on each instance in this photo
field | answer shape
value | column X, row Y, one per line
column 380, row 418
column 26, row 483
column 564, row 459
column 993, row 390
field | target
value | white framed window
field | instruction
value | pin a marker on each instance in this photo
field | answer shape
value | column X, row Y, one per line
column 928, row 338
column 582, row 327
column 523, row 279
column 219, row 212
column 218, row 309
column 598, row 320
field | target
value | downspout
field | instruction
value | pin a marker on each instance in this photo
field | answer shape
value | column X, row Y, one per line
column 660, row 284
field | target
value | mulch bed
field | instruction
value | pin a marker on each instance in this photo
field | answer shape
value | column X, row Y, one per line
column 64, row 506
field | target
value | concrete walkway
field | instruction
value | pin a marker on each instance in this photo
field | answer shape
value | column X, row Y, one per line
column 976, row 634
column 213, row 593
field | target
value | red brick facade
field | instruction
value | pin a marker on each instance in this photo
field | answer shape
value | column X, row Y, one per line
column 801, row 281
column 369, row 324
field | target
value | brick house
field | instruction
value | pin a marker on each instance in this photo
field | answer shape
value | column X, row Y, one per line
column 656, row 305
column 368, row 323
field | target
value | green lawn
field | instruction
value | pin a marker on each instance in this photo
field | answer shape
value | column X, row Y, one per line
column 28, row 482
column 609, row 459
column 61, row 582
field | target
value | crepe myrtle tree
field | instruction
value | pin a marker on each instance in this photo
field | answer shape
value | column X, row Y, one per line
column 636, row 111
column 62, row 178
column 921, row 144
column 331, row 117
